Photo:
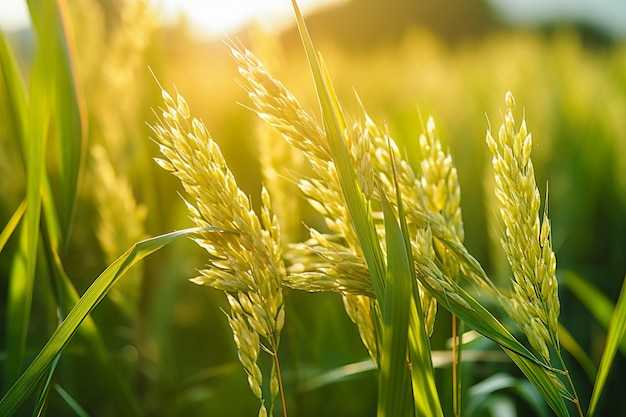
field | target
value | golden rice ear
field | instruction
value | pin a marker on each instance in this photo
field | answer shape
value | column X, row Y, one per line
column 525, row 239
column 245, row 259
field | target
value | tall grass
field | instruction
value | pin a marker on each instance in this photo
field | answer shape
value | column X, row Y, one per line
column 387, row 240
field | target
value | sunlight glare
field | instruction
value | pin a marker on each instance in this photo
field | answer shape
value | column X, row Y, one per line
column 216, row 17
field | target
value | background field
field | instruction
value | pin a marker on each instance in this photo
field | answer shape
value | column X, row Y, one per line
column 168, row 348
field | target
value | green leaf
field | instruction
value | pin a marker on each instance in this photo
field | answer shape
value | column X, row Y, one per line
column 338, row 375
column 105, row 373
column 11, row 225
column 18, row 308
column 45, row 389
column 20, row 285
column 15, row 90
column 356, row 202
column 425, row 395
column 544, row 380
column 66, row 104
column 615, row 336
column 473, row 313
column 394, row 395
column 33, row 124
column 74, row 405
column 476, row 316
column 28, row 381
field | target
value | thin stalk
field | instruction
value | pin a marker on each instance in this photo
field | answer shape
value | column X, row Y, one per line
column 565, row 372
column 278, row 375
column 456, row 363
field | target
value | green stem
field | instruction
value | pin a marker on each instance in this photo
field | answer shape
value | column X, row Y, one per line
column 565, row 372
column 278, row 374
column 456, row 392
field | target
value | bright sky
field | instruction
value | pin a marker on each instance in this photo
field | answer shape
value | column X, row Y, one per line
column 214, row 17
column 609, row 15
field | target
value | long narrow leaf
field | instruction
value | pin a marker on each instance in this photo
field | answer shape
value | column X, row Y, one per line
column 542, row 379
column 19, row 296
column 50, row 21
column 14, row 88
column 334, row 127
column 74, row 405
column 45, row 389
column 105, row 372
column 615, row 335
column 394, row 394
column 11, row 225
column 25, row 385
column 23, row 268
column 425, row 395
column 476, row 316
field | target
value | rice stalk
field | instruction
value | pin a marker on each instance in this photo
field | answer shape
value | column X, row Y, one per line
column 114, row 195
column 440, row 185
column 246, row 261
column 534, row 303
column 314, row 259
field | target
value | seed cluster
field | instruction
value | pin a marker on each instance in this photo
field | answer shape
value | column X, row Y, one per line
column 534, row 304
column 245, row 259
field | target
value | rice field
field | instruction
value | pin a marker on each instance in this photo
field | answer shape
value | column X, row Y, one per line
column 414, row 228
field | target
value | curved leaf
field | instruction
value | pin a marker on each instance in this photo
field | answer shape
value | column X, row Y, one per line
column 25, row 385
column 616, row 331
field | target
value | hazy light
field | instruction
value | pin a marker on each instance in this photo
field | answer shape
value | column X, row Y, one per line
column 13, row 15
column 215, row 17
column 207, row 17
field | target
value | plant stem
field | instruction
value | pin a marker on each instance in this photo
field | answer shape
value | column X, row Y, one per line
column 575, row 399
column 278, row 375
column 456, row 392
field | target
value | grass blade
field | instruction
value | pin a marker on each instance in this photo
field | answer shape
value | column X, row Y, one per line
column 334, row 127
column 11, row 225
column 23, row 268
column 477, row 317
column 74, row 405
column 67, row 110
column 45, row 389
column 546, row 383
column 474, row 314
column 394, row 395
column 616, row 330
column 105, row 373
column 14, row 88
column 338, row 375
column 25, row 385
column 425, row 395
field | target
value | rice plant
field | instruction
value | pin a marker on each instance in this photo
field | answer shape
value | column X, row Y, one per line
column 395, row 241
column 388, row 240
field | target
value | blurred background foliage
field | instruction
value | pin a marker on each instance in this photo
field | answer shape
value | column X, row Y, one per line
column 407, row 59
